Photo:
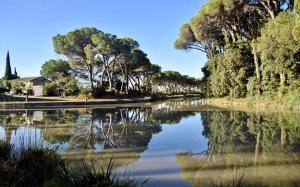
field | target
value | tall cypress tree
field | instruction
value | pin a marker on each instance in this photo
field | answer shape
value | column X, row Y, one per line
column 7, row 74
column 16, row 73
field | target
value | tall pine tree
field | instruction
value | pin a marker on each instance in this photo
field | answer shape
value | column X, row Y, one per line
column 7, row 74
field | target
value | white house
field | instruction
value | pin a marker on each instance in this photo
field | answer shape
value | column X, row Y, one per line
column 35, row 82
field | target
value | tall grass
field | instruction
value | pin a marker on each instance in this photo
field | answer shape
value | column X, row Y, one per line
column 38, row 166
column 90, row 176
column 237, row 180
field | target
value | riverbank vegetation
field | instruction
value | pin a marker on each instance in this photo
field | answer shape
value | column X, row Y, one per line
column 252, row 47
column 37, row 166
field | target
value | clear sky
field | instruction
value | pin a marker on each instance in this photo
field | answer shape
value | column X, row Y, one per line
column 27, row 28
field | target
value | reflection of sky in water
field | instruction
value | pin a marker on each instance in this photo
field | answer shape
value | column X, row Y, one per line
column 26, row 137
column 158, row 162
column 2, row 133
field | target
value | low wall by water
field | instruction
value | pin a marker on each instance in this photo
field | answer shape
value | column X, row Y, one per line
column 68, row 104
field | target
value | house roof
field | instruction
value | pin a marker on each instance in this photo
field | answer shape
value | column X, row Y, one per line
column 28, row 79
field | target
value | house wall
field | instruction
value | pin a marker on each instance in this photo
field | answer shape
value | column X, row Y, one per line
column 39, row 81
column 37, row 91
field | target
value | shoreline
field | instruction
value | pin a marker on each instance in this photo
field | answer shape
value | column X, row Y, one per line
column 70, row 104
column 252, row 104
column 76, row 103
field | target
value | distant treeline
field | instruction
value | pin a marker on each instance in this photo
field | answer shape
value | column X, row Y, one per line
column 252, row 47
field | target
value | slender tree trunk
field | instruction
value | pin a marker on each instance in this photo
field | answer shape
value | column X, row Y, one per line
column 257, row 146
column 127, row 80
column 91, row 79
column 283, row 136
column 282, row 80
column 123, row 78
column 109, row 79
column 257, row 70
column 139, row 86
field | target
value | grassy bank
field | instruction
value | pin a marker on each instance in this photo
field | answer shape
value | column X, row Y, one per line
column 257, row 103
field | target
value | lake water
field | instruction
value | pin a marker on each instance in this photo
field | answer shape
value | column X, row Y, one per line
column 173, row 143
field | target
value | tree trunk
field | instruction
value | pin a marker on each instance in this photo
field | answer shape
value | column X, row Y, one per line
column 123, row 78
column 257, row 146
column 257, row 69
column 282, row 80
column 91, row 79
column 109, row 79
column 139, row 86
column 283, row 136
column 269, row 8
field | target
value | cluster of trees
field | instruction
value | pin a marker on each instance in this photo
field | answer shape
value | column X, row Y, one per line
column 172, row 82
column 5, row 85
column 60, row 79
column 108, row 64
column 252, row 47
column 105, row 61
column 8, row 75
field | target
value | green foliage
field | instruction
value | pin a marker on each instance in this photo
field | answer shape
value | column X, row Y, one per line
column 89, row 176
column 8, row 75
column 8, row 72
column 18, row 87
column 280, row 62
column 3, row 89
column 229, row 72
column 252, row 86
column 66, row 86
column 54, row 68
column 238, row 180
column 172, row 82
column 71, row 88
column 250, row 51
column 50, row 89
column 106, row 60
column 37, row 166
column 5, row 151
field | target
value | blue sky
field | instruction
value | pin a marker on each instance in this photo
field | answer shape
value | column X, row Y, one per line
column 27, row 28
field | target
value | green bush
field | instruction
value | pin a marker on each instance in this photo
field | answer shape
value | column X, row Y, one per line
column 5, row 150
column 62, row 85
column 253, row 86
column 50, row 89
column 71, row 88
column 37, row 166
column 17, row 87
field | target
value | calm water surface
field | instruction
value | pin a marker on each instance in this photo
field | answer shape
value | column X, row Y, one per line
column 174, row 143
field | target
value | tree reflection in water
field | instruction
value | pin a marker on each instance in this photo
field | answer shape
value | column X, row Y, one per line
column 265, row 147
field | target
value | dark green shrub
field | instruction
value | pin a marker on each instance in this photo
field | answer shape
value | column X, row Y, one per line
column 43, row 167
column 5, row 151
column 99, row 92
column 50, row 89
column 36, row 166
